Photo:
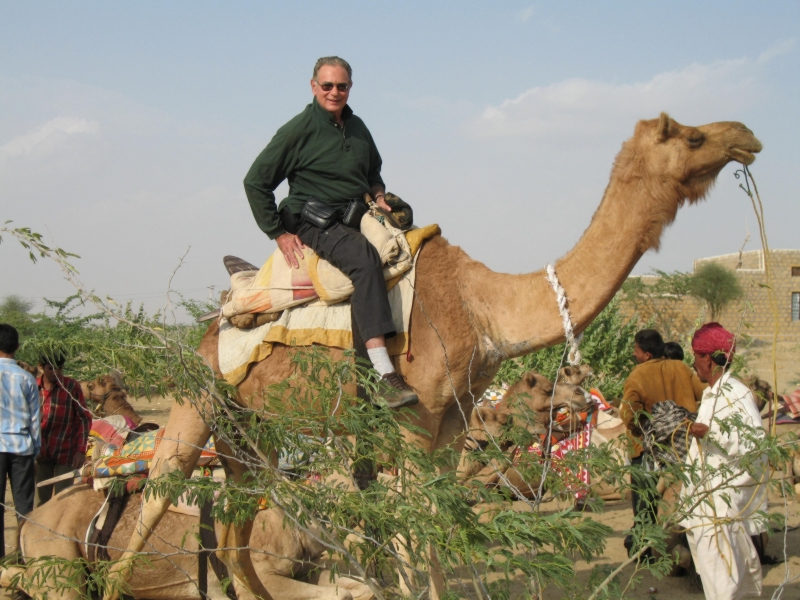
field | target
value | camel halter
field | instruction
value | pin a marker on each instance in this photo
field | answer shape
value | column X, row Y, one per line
column 574, row 357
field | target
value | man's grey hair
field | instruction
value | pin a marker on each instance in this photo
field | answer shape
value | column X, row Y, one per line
column 332, row 61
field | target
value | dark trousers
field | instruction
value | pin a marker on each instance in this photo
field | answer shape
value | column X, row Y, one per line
column 644, row 494
column 47, row 470
column 20, row 470
column 350, row 252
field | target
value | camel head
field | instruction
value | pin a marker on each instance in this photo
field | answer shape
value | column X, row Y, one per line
column 574, row 375
column 762, row 390
column 534, row 391
column 537, row 392
column 99, row 389
column 674, row 163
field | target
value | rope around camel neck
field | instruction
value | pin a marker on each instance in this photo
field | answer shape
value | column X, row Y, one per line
column 574, row 357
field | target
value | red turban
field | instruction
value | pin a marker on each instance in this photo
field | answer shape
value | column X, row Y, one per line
column 712, row 338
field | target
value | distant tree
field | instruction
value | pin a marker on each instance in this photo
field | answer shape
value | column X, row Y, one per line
column 16, row 311
column 717, row 285
column 15, row 304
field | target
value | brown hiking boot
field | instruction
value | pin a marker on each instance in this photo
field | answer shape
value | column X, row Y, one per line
column 397, row 393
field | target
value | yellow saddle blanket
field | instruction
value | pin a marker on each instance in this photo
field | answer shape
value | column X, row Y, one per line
column 276, row 286
column 316, row 318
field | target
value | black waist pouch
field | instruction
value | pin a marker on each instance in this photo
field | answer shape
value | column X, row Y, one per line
column 319, row 213
column 353, row 213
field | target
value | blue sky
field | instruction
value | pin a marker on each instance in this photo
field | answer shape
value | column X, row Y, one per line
column 126, row 128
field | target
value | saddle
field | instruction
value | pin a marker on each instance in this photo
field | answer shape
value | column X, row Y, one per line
column 259, row 295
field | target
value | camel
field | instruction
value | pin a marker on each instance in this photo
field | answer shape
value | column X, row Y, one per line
column 462, row 328
column 58, row 528
column 575, row 375
column 110, row 398
column 33, row 370
column 536, row 392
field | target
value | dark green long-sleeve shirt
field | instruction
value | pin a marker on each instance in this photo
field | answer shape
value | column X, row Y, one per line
column 319, row 158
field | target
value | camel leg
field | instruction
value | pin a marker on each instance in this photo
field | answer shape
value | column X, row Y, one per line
column 437, row 586
column 179, row 450
column 237, row 538
column 52, row 568
column 291, row 589
column 358, row 590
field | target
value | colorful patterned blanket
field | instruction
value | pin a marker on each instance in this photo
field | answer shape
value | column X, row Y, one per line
column 134, row 457
column 577, row 483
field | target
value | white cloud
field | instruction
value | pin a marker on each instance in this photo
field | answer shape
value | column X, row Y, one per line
column 588, row 107
column 62, row 126
column 525, row 14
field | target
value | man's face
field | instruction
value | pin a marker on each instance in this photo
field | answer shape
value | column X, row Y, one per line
column 52, row 374
column 703, row 365
column 640, row 355
column 333, row 100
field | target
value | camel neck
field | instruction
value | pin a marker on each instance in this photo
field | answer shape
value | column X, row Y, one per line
column 520, row 311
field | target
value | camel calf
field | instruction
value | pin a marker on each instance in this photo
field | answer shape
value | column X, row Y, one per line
column 59, row 527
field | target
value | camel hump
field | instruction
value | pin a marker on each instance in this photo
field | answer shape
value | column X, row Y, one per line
column 234, row 264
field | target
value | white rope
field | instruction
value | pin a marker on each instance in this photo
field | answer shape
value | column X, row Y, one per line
column 574, row 356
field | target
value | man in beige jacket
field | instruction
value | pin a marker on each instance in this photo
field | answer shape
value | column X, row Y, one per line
column 653, row 380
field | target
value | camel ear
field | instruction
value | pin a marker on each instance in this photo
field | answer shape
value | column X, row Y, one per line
column 530, row 379
column 567, row 371
column 663, row 127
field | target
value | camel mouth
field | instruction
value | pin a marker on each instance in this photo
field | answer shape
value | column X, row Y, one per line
column 745, row 157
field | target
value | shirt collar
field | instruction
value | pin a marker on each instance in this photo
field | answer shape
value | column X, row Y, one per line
column 8, row 360
column 40, row 383
column 327, row 116
column 714, row 389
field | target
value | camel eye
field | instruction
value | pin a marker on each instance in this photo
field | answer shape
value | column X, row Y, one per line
column 696, row 141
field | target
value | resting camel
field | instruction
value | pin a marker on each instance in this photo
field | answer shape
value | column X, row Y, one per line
column 462, row 328
column 486, row 425
column 107, row 397
column 537, row 393
column 282, row 553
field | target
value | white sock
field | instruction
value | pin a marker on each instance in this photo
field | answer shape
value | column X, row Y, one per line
column 380, row 360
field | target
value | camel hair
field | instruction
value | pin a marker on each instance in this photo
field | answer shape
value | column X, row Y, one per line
column 59, row 527
column 462, row 328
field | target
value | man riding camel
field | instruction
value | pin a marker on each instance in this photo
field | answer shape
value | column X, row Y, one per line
column 331, row 161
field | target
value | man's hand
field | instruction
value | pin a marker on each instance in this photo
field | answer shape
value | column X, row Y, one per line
column 698, row 430
column 380, row 200
column 78, row 460
column 291, row 248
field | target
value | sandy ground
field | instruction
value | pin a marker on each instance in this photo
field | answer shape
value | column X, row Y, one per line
column 617, row 515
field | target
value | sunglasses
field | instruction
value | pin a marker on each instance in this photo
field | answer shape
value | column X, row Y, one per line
column 327, row 86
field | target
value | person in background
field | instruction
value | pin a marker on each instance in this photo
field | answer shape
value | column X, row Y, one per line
column 20, row 429
column 673, row 351
column 726, row 493
column 653, row 380
column 65, row 426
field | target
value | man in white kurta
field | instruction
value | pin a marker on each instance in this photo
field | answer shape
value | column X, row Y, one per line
column 724, row 504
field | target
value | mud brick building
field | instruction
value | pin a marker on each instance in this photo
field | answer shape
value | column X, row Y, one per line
column 754, row 309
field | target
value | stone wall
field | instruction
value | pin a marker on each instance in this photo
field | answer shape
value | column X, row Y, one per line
column 753, row 314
